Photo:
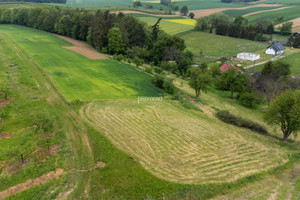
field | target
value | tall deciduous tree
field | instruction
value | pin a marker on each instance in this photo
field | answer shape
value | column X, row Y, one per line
column 199, row 80
column 115, row 43
column 184, row 10
column 285, row 112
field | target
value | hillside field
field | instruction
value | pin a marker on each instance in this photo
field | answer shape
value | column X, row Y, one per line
column 77, row 77
column 150, row 150
column 219, row 46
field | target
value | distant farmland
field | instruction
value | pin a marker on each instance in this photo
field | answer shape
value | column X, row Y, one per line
column 219, row 46
column 235, row 13
column 288, row 14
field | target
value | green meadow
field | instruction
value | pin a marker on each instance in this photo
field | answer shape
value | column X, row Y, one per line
column 76, row 76
column 294, row 60
column 219, row 46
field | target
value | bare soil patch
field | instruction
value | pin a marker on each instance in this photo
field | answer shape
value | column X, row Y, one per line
column 4, row 102
column 262, row 11
column 100, row 164
column 206, row 12
column 82, row 48
column 4, row 135
column 31, row 182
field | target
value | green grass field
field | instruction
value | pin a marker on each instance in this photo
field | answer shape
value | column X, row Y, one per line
column 77, row 77
column 219, row 46
column 18, row 134
column 294, row 60
column 288, row 14
column 151, row 150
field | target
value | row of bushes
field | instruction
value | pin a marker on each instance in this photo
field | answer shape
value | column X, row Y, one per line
column 229, row 118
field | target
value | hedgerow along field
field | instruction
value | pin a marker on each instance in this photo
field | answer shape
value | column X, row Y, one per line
column 219, row 46
column 77, row 77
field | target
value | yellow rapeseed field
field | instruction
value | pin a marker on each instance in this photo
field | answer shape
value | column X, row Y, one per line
column 191, row 22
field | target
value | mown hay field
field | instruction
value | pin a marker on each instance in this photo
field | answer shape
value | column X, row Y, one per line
column 77, row 77
column 219, row 46
column 179, row 145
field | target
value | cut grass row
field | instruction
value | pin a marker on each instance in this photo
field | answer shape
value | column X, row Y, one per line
column 180, row 146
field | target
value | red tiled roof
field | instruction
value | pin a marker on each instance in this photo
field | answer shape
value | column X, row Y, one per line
column 225, row 67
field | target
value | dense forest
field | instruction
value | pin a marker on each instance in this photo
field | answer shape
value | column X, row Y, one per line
column 135, row 39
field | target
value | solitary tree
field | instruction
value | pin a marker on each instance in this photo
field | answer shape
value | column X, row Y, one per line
column 285, row 112
column 191, row 15
column 199, row 80
column 184, row 10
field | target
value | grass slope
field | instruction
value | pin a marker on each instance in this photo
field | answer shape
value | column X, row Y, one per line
column 181, row 146
column 294, row 60
column 76, row 76
column 17, row 119
column 219, row 46
column 123, row 177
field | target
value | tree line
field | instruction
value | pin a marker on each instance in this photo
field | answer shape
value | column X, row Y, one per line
column 107, row 32
column 238, row 28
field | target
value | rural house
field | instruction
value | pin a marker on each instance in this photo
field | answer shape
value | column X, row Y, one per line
column 275, row 49
column 248, row 56
column 226, row 67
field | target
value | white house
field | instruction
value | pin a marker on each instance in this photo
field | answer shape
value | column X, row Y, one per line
column 275, row 49
column 248, row 56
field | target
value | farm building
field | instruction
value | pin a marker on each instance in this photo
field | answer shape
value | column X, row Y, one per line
column 248, row 56
column 226, row 67
column 275, row 49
